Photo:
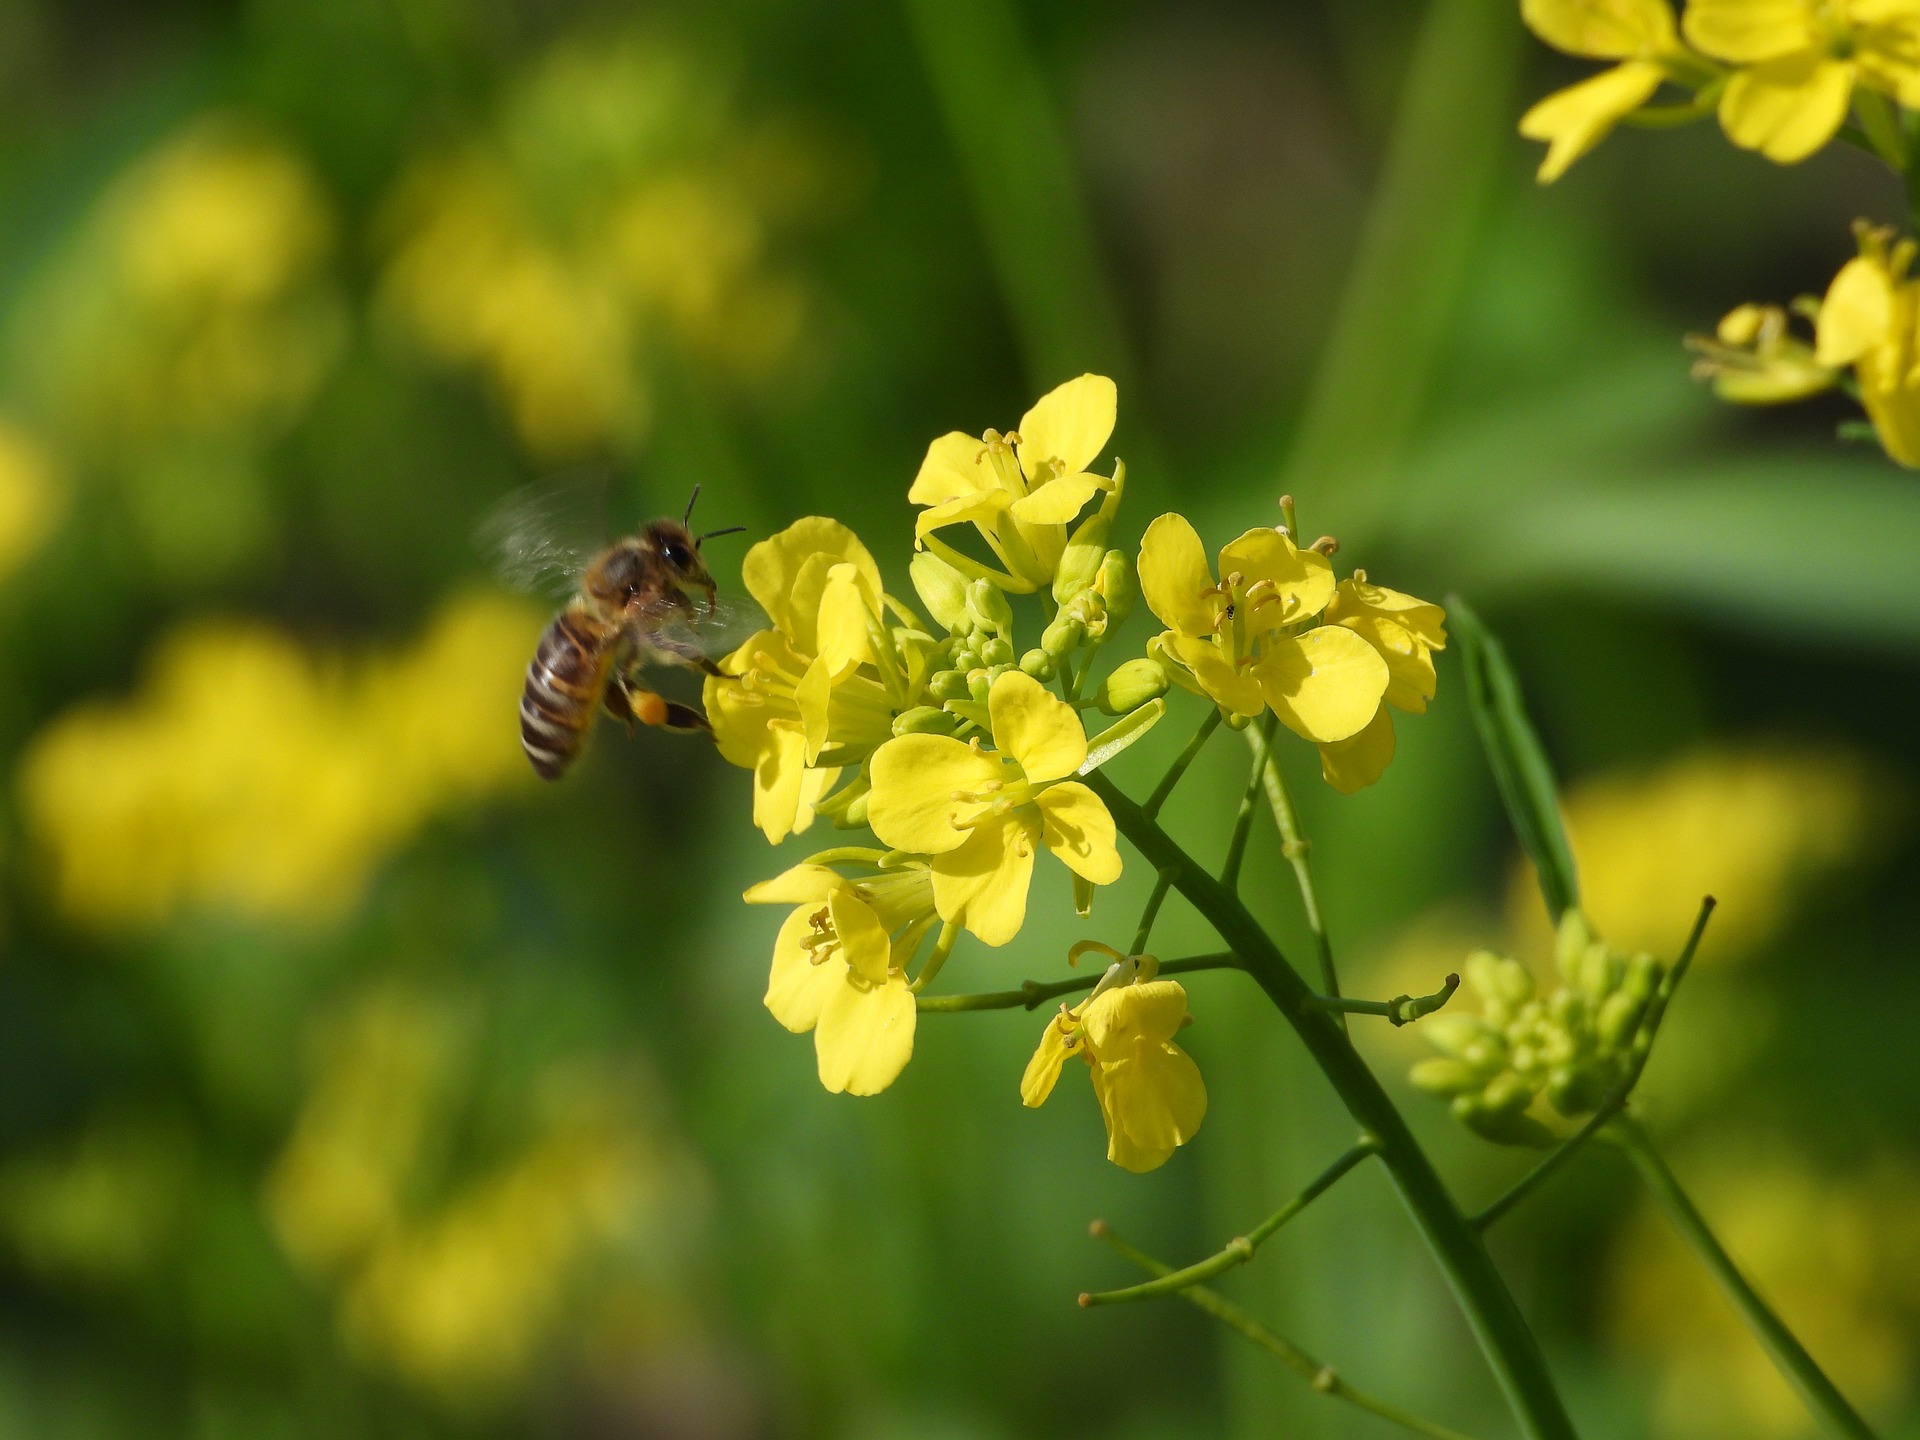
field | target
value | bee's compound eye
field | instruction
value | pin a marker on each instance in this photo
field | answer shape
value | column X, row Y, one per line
column 675, row 554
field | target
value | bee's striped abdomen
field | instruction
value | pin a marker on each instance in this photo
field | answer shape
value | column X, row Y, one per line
column 564, row 682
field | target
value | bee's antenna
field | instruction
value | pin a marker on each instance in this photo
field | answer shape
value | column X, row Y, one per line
column 690, row 499
column 730, row 530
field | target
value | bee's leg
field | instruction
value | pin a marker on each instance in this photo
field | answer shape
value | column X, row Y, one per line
column 687, row 655
column 651, row 709
column 619, row 702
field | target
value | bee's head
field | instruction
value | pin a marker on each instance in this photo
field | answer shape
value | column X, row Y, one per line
column 664, row 559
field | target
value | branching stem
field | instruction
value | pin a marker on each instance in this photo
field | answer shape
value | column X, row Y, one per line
column 1296, row 847
column 1034, row 993
column 1401, row 1010
column 1243, row 819
column 1182, row 761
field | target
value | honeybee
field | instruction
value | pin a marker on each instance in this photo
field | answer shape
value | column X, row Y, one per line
column 643, row 601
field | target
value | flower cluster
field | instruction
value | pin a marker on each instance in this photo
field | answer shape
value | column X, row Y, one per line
column 962, row 748
column 1780, row 75
column 1575, row 1046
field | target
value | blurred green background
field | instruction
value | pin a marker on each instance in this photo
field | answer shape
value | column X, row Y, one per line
column 352, row 1084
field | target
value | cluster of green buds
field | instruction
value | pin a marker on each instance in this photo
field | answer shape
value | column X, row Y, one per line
column 1576, row 1046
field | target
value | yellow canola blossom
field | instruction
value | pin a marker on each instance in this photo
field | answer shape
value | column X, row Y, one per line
column 839, row 967
column 1022, row 489
column 1834, row 1254
column 980, row 814
column 1754, row 358
column 29, row 495
column 1798, row 63
column 1150, row 1092
column 251, row 776
column 1868, row 320
column 1404, row 632
column 1639, row 34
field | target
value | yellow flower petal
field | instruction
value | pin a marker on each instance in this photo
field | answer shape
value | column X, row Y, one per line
column 846, row 605
column 1078, row 829
column 1068, row 427
column 1578, row 118
column 863, row 941
column 1857, row 314
column 1129, row 1016
column 1411, row 680
column 798, row 885
column 1152, row 1106
column 983, row 884
column 1427, row 621
column 1057, row 501
column 1040, row 731
column 1302, row 580
column 915, row 778
column 953, row 468
column 1057, row 1043
column 1747, row 32
column 797, row 988
column 1352, row 764
column 1787, row 108
column 773, row 566
column 865, row 1036
column 1235, row 689
column 1174, row 578
column 1324, row 685
column 1602, row 29
column 778, row 772
column 980, row 508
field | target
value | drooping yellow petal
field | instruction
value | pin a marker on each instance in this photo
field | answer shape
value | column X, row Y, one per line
column 797, row 885
column 1427, row 621
column 983, row 884
column 1411, row 680
column 980, row 508
column 1174, row 578
column 1602, row 29
column 1857, row 313
column 778, row 774
column 1130, row 1016
column 865, row 1036
column 863, row 939
column 953, row 468
column 846, row 605
column 1574, row 120
column 1748, row 32
column 1040, row 731
column 1325, row 684
column 915, row 781
column 1068, row 427
column 1301, row 581
column 1078, row 829
column 797, row 988
column 1057, row 1043
column 1352, row 764
column 772, row 567
column 1057, row 501
column 1235, row 689
column 1787, row 108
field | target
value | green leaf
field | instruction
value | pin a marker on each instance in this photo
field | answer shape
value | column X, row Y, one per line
column 1518, row 763
column 1122, row 733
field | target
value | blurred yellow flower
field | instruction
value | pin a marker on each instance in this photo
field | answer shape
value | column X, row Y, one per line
column 981, row 813
column 103, row 1208
column 1151, row 1095
column 1637, row 33
column 1867, row 321
column 29, row 495
column 1834, row 1254
column 1753, row 358
column 839, row 967
column 1746, row 826
column 251, row 776
column 1019, row 490
column 1799, row 62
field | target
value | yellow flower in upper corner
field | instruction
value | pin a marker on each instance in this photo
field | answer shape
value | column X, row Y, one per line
column 1799, row 63
column 980, row 813
column 1867, row 320
column 1638, row 33
column 1020, row 490
column 1151, row 1095
column 790, row 692
column 839, row 967
column 1245, row 642
column 1404, row 632
column 1753, row 358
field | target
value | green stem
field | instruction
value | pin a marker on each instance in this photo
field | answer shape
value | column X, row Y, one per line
column 1162, row 883
column 1034, row 993
column 1297, row 848
column 1182, row 761
column 1243, row 821
column 1497, row 1324
column 1819, row 1393
column 1880, row 123
column 1401, row 1010
column 1323, row 1378
column 1239, row 1250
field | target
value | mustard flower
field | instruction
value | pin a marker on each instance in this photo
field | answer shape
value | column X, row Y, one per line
column 1245, row 641
column 1867, row 320
column 1150, row 1092
column 979, row 814
column 1022, row 489
column 1404, row 632
column 1799, row 61
column 1638, row 33
column 1754, row 358
column 839, row 967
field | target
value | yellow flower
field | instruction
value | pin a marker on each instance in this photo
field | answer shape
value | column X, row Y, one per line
column 1022, row 489
column 1151, row 1095
column 824, row 675
column 1243, row 642
column 979, row 813
column 1799, row 63
column 839, row 967
column 1404, row 632
column 1754, row 359
column 1867, row 320
column 1637, row 33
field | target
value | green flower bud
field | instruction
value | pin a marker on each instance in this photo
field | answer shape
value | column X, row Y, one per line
column 948, row 685
column 1079, row 565
column 989, row 608
column 1132, row 685
column 1038, row 664
column 941, row 588
column 1619, row 1017
column 997, row 652
column 979, row 685
column 1062, row 636
column 925, row 720
column 1458, row 1034
column 1503, row 1127
column 855, row 815
column 1116, row 586
column 1441, row 1076
column 966, row 660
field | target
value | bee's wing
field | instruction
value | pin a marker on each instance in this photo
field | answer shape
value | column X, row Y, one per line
column 542, row 536
column 712, row 630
